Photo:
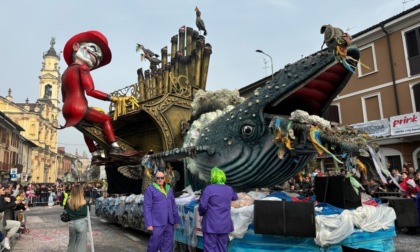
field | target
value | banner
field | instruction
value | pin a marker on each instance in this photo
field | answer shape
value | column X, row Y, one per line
column 405, row 124
column 374, row 128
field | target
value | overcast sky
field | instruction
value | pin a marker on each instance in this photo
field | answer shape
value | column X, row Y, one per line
column 284, row 29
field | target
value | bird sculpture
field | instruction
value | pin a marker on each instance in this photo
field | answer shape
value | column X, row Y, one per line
column 199, row 22
column 146, row 51
column 154, row 62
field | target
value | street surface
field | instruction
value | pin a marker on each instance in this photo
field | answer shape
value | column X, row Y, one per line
column 49, row 234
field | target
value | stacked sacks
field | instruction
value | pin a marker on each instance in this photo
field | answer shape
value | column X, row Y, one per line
column 124, row 210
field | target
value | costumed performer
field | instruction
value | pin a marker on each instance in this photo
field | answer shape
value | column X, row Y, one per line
column 215, row 206
column 160, row 214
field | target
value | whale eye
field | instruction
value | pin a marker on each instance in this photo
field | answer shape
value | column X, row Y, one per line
column 247, row 130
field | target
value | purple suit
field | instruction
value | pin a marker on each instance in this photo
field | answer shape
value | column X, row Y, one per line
column 161, row 212
column 217, row 223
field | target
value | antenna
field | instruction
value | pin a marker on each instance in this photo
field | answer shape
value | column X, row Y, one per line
column 404, row 2
column 265, row 66
column 349, row 28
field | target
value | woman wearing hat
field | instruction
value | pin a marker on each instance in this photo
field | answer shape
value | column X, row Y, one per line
column 215, row 204
column 84, row 52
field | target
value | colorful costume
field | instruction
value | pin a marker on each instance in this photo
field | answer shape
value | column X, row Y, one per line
column 160, row 211
column 215, row 204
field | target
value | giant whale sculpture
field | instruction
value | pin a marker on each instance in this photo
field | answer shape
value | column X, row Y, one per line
column 239, row 140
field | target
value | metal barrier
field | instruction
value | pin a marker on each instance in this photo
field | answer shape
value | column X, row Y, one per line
column 39, row 200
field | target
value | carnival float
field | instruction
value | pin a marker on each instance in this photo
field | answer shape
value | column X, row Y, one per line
column 259, row 141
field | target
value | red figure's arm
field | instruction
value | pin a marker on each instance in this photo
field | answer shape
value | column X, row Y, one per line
column 88, row 85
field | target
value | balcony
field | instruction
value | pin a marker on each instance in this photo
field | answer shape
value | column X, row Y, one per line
column 6, row 167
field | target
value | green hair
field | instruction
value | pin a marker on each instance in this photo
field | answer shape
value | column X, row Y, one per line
column 217, row 176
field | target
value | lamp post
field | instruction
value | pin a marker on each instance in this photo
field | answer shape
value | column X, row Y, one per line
column 271, row 59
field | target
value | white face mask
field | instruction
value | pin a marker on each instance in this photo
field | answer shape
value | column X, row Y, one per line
column 90, row 53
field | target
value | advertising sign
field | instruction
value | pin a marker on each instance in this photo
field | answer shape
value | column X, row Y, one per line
column 374, row 128
column 405, row 124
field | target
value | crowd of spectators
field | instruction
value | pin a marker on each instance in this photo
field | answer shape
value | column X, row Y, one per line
column 16, row 199
column 38, row 194
column 404, row 183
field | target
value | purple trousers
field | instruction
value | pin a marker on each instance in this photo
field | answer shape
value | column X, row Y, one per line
column 161, row 239
column 417, row 201
column 215, row 242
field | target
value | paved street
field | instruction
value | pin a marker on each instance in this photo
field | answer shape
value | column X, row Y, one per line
column 48, row 233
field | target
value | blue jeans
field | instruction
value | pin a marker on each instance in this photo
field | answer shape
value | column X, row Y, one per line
column 78, row 236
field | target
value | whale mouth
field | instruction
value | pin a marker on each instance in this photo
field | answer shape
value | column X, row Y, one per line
column 315, row 94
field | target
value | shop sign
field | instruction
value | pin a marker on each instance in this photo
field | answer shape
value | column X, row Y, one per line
column 13, row 174
column 405, row 124
column 376, row 128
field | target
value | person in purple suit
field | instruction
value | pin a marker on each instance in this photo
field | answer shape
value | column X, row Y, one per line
column 160, row 214
column 214, row 206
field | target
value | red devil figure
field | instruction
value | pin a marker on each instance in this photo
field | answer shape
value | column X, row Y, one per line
column 84, row 52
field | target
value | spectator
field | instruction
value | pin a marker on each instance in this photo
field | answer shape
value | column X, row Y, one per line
column 59, row 194
column 396, row 174
column 77, row 210
column 88, row 191
column 374, row 187
column 404, row 177
column 307, row 187
column 411, row 171
column 417, row 178
column 412, row 189
column 7, row 204
column 65, row 196
column 44, row 194
column 95, row 192
column 292, row 189
column 30, row 193
column 160, row 214
column 215, row 204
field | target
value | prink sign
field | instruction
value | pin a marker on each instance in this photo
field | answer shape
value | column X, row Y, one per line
column 405, row 124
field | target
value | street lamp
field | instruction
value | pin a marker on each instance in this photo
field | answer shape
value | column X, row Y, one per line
column 271, row 59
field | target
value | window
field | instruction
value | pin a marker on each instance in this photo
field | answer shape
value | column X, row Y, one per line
column 333, row 114
column 416, row 96
column 47, row 91
column 394, row 162
column 412, row 43
column 32, row 130
column 368, row 58
column 372, row 107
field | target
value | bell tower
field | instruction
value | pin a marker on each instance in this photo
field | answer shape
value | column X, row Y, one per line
column 50, row 78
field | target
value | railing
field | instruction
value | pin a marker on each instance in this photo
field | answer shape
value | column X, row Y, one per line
column 6, row 167
column 386, row 194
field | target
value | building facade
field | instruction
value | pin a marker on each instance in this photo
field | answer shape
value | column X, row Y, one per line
column 10, row 145
column 40, row 119
column 383, row 96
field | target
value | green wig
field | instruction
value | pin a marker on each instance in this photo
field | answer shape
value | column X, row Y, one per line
column 217, row 176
